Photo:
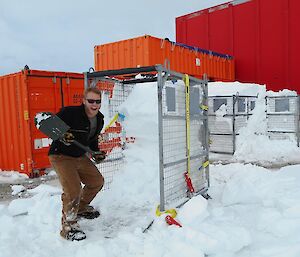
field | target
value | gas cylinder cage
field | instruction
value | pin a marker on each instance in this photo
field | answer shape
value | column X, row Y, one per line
column 183, row 137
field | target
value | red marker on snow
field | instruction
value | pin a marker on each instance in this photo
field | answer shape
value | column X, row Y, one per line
column 172, row 221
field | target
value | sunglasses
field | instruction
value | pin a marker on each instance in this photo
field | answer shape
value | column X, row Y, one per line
column 92, row 101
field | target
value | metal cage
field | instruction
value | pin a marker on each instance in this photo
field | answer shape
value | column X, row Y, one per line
column 283, row 117
column 182, row 128
column 224, row 125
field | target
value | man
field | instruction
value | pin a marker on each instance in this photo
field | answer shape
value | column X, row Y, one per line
column 72, row 165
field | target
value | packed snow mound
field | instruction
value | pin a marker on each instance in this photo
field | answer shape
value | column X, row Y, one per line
column 253, row 144
column 234, row 88
column 284, row 92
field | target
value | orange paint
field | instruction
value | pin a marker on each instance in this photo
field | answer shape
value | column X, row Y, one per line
column 148, row 51
column 23, row 148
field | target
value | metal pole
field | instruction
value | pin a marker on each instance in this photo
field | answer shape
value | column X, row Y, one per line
column 86, row 84
column 187, row 122
column 160, row 85
column 233, row 124
column 205, row 125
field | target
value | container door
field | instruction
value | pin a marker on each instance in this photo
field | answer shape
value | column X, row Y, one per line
column 50, row 93
column 73, row 88
column 44, row 96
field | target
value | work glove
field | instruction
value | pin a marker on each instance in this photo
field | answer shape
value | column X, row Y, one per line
column 98, row 157
column 68, row 138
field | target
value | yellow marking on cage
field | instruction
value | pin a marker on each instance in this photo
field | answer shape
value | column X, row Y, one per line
column 172, row 212
column 186, row 81
column 112, row 121
column 205, row 164
column 204, row 107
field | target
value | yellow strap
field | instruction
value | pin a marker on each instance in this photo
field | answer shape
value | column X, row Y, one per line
column 172, row 212
column 112, row 121
column 205, row 164
column 204, row 107
column 186, row 80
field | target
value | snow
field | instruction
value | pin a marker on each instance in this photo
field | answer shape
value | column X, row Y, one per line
column 11, row 176
column 16, row 189
column 254, row 211
column 235, row 88
column 40, row 117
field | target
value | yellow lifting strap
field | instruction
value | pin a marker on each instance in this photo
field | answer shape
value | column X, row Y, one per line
column 204, row 165
column 171, row 212
column 186, row 81
column 204, row 107
column 112, row 121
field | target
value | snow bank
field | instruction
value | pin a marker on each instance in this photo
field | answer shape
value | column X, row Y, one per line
column 235, row 88
column 253, row 211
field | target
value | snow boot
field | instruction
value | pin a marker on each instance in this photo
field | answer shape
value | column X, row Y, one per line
column 89, row 212
column 73, row 233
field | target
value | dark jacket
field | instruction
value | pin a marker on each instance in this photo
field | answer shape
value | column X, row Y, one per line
column 79, row 123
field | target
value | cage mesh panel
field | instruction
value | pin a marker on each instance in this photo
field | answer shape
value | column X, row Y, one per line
column 282, row 125
column 198, row 173
column 224, row 129
column 120, row 94
column 220, row 125
column 292, row 104
column 175, row 145
column 196, row 137
column 174, row 184
column 115, row 137
column 221, row 143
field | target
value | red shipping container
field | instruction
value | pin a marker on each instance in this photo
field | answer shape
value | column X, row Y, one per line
column 23, row 148
column 262, row 35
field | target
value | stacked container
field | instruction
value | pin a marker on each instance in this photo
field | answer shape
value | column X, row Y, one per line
column 147, row 51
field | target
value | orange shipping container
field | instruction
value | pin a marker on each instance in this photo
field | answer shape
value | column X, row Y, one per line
column 23, row 148
column 148, row 51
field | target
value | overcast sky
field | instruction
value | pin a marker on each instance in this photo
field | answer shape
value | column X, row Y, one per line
column 60, row 35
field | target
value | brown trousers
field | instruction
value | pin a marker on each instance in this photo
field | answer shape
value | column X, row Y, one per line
column 72, row 171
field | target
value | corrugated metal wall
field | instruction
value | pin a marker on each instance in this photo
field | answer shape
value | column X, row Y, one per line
column 14, row 124
column 148, row 50
column 22, row 147
column 262, row 35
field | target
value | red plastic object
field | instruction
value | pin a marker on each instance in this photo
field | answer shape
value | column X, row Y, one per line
column 172, row 221
column 262, row 35
column 189, row 183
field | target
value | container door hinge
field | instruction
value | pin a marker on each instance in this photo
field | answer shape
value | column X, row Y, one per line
column 26, row 115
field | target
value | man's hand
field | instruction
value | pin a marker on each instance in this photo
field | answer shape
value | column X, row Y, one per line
column 68, row 138
column 98, row 157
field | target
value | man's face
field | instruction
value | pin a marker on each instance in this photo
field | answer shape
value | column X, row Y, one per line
column 92, row 104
